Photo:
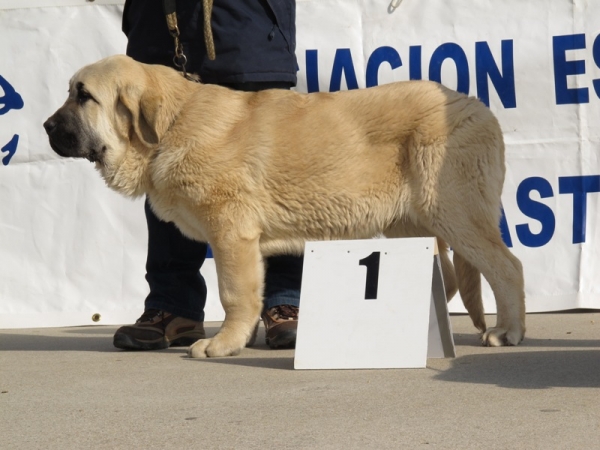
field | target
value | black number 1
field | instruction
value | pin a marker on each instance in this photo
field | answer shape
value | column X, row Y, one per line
column 372, row 264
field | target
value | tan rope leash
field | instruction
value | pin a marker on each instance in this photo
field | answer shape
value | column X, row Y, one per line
column 208, row 34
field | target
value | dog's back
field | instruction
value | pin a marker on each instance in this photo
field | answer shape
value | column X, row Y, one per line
column 351, row 164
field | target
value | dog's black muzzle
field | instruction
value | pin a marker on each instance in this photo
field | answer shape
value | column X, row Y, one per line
column 63, row 137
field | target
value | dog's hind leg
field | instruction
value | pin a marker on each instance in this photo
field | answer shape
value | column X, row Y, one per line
column 469, row 286
column 480, row 244
column 240, row 271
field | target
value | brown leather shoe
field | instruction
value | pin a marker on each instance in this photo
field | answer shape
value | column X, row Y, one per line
column 156, row 330
column 281, row 323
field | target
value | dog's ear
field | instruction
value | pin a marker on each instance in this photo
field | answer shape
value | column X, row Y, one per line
column 149, row 116
column 153, row 95
column 148, row 119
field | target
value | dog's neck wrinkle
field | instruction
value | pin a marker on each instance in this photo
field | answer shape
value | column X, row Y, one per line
column 129, row 175
column 176, row 113
column 176, row 92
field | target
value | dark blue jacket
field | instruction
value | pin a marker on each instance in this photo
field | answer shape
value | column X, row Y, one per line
column 255, row 40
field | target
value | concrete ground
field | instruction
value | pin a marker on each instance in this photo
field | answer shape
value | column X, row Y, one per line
column 68, row 388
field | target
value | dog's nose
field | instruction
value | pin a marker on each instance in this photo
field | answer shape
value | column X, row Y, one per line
column 49, row 125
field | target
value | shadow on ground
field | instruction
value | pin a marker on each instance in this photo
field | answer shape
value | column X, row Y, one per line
column 275, row 362
column 527, row 369
column 536, row 364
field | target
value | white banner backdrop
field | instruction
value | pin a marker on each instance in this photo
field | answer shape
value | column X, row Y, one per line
column 73, row 251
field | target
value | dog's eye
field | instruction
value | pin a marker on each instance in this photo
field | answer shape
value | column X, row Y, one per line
column 83, row 96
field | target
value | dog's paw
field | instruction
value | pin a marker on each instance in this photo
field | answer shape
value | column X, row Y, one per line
column 198, row 349
column 205, row 348
column 498, row 337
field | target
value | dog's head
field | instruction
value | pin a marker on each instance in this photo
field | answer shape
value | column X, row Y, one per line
column 116, row 110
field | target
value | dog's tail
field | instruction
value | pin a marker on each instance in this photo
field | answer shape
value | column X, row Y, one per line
column 469, row 286
column 447, row 270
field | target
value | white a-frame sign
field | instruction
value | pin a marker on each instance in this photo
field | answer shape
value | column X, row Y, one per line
column 367, row 304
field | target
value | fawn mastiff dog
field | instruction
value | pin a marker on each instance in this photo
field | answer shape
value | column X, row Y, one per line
column 257, row 174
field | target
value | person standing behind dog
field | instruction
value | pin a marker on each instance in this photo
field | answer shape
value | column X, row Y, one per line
column 254, row 42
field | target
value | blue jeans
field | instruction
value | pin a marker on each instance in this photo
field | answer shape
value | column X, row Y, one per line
column 174, row 261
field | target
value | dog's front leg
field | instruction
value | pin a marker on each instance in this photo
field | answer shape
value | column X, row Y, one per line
column 240, row 270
